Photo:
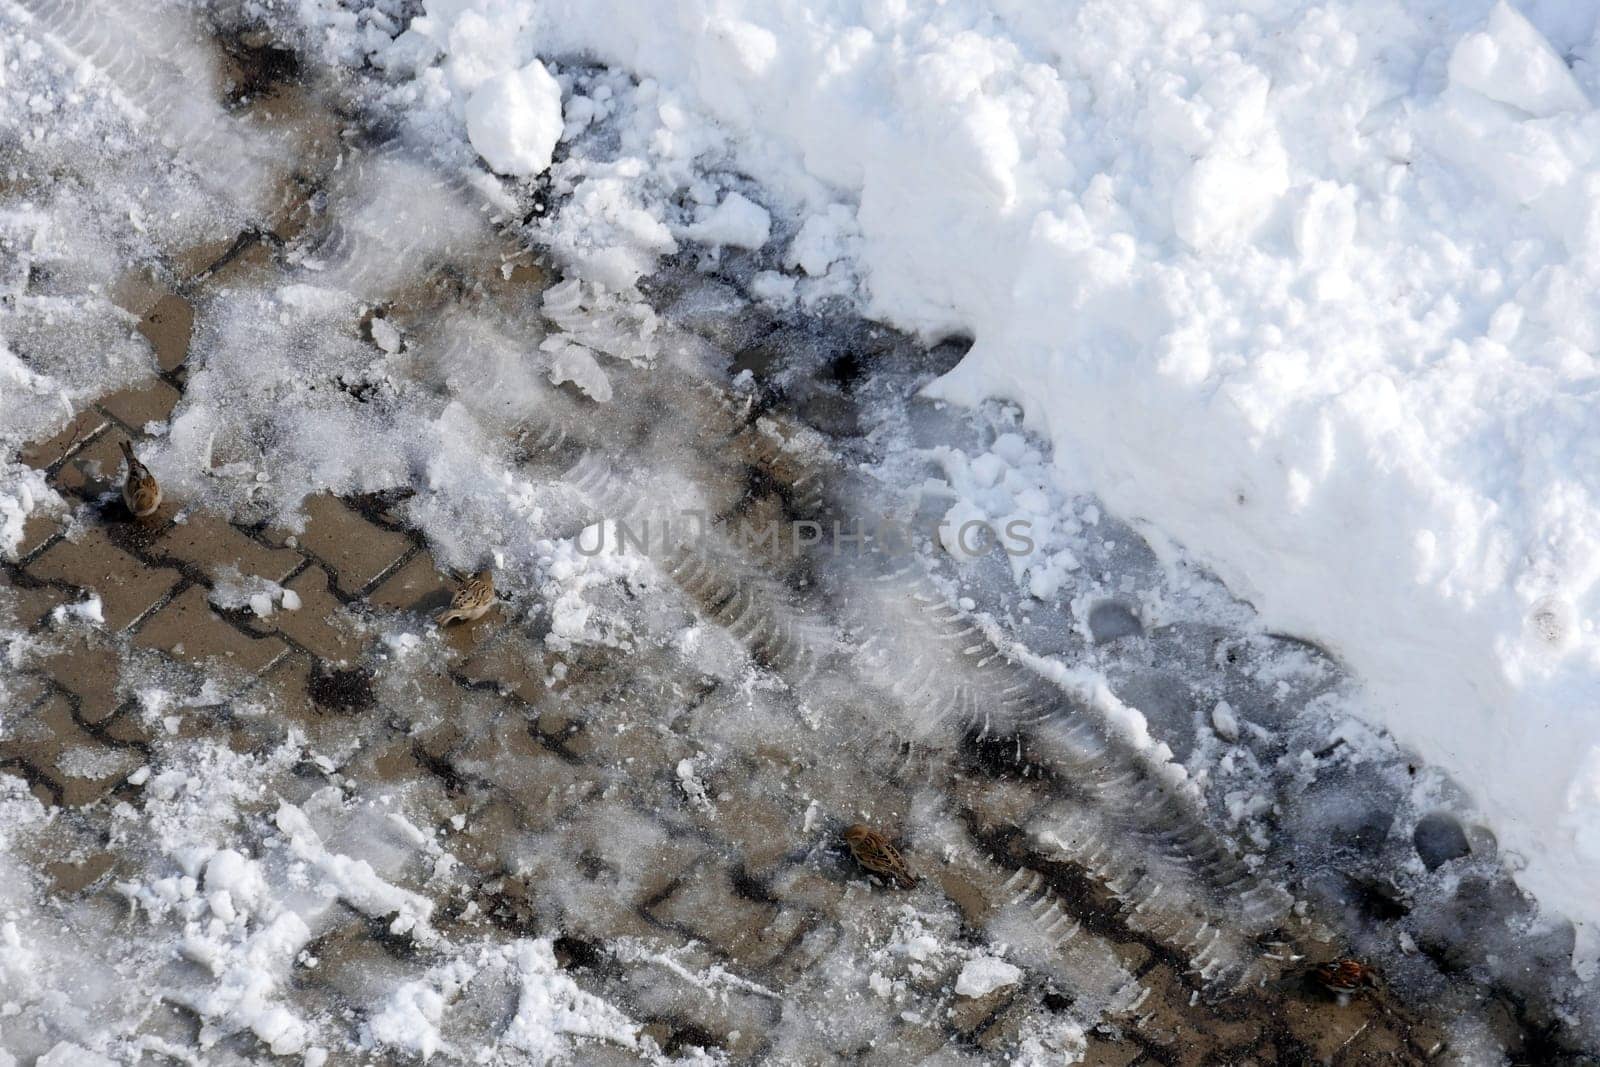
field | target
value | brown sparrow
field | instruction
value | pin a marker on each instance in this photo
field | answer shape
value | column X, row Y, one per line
column 140, row 490
column 873, row 851
column 471, row 601
column 1344, row 977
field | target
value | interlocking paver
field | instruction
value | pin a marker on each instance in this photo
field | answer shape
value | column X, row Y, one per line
column 804, row 884
column 517, row 766
column 26, row 605
column 93, row 470
column 80, row 768
column 357, row 550
column 224, row 262
column 320, row 625
column 168, row 325
column 145, row 402
column 707, row 903
column 74, row 876
column 762, row 831
column 1106, row 1053
column 84, row 425
column 210, row 544
column 88, row 665
column 38, row 529
column 127, row 587
column 416, row 586
column 187, row 627
column 512, row 661
column 1007, row 1025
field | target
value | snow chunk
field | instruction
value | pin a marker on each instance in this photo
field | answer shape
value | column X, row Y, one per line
column 552, row 1008
column 1511, row 62
column 985, row 974
column 1224, row 722
column 737, row 221
column 385, row 336
column 514, row 120
column 576, row 364
column 354, row 880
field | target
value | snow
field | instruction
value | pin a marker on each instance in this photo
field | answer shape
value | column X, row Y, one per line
column 1307, row 289
column 1510, row 61
column 1341, row 352
column 983, row 975
column 553, row 1012
column 514, row 120
column 737, row 221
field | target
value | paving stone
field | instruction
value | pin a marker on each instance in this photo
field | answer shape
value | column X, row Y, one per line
column 80, row 767
column 137, row 291
column 970, row 891
column 763, row 832
column 68, row 877
column 1007, row 1025
column 999, row 805
column 967, row 1015
column 210, row 544
column 285, row 690
column 354, row 548
column 802, row 884
column 1103, row 1052
column 36, row 530
column 320, row 625
column 188, row 262
column 735, row 1020
column 89, row 666
column 24, row 606
column 146, row 402
column 546, row 786
column 226, row 264
column 83, row 426
column 1187, row 1034
column 95, row 469
column 805, row 953
column 417, row 586
column 1326, row 1027
column 168, row 325
column 189, row 628
column 24, row 687
column 127, row 587
column 707, row 904
column 511, row 661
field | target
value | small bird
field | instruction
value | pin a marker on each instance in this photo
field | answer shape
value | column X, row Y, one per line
column 140, row 490
column 471, row 601
column 873, row 851
column 1344, row 977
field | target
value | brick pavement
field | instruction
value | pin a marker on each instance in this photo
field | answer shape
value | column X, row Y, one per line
column 518, row 760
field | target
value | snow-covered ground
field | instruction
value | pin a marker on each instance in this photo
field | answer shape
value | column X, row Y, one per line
column 1308, row 289
column 1296, row 294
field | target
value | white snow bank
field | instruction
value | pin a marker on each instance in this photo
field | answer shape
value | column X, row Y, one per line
column 1309, row 288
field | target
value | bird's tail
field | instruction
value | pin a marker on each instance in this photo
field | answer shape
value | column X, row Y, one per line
column 127, row 450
